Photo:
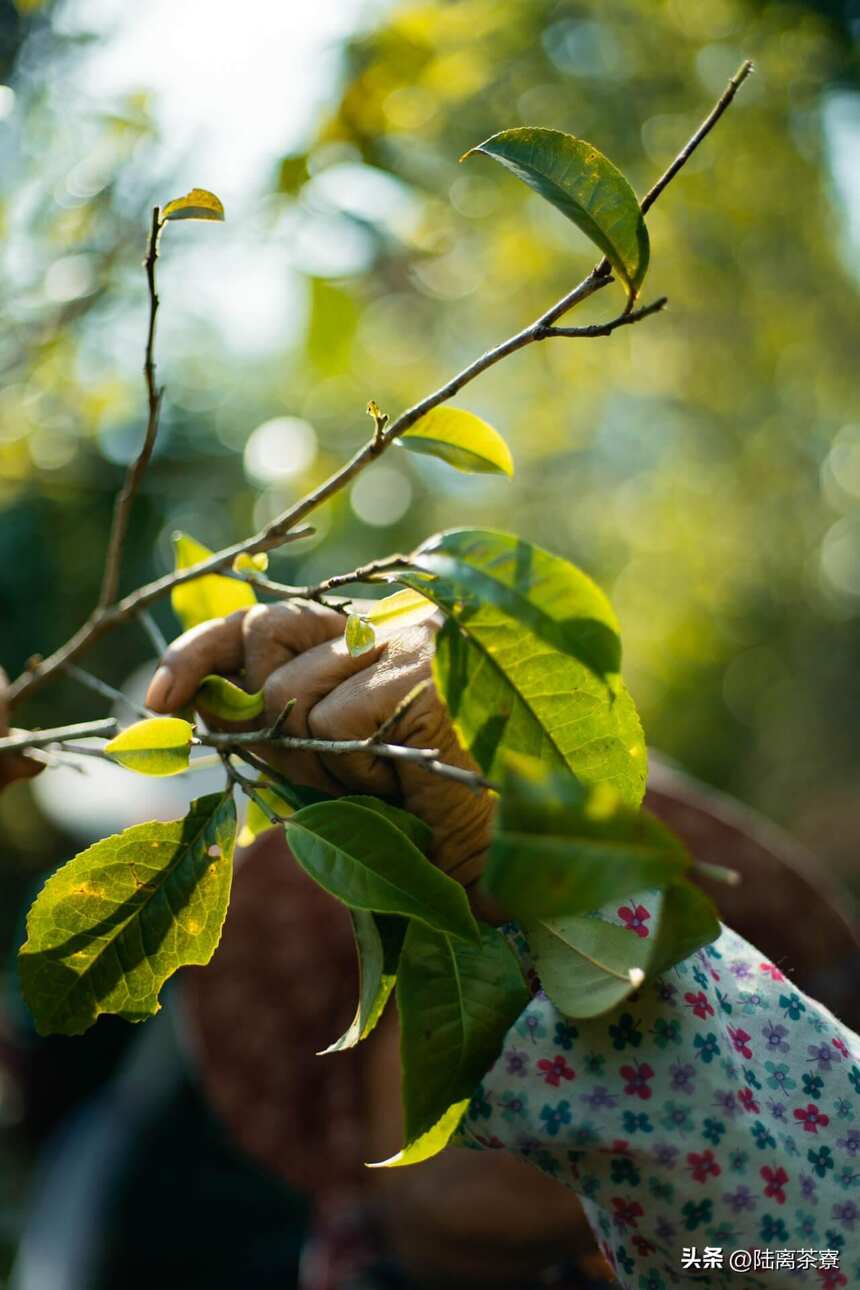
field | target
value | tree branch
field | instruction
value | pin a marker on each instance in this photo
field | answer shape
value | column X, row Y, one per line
column 41, row 738
column 135, row 473
column 314, row 590
column 283, row 528
column 426, row 758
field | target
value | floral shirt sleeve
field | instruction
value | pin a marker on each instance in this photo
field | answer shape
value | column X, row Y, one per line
column 717, row 1111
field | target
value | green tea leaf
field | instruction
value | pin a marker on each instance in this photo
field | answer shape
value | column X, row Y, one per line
column 416, row 830
column 375, row 984
column 227, row 701
column 155, row 746
column 562, row 848
column 213, row 595
column 588, row 966
column 430, row 1143
column 456, row 1002
column 198, row 204
column 359, row 635
column 112, row 925
column 688, row 921
column 462, row 439
column 585, row 186
column 363, row 858
column 529, row 661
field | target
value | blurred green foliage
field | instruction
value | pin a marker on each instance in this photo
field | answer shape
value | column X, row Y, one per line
column 701, row 466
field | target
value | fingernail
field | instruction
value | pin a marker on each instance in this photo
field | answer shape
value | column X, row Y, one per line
column 158, row 694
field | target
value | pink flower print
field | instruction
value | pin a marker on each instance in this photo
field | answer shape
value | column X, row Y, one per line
column 831, row 1278
column 643, row 1245
column 771, row 971
column 699, row 1004
column 703, row 1166
column 775, row 1180
column 556, row 1070
column 637, row 1078
column 839, row 1045
column 740, row 1040
column 627, row 1212
column 747, row 1100
column 810, row 1117
column 635, row 919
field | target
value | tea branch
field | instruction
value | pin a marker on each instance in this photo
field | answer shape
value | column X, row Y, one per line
column 283, row 528
column 135, row 473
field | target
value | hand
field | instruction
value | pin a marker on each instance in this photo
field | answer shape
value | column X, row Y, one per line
column 12, row 765
column 295, row 650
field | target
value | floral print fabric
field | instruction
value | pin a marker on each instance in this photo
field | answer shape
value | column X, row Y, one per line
column 718, row 1107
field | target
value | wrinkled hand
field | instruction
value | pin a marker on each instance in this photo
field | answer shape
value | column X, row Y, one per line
column 295, row 650
column 12, row 766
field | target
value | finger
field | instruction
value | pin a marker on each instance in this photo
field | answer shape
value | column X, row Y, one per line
column 307, row 679
column 215, row 646
column 274, row 634
column 358, row 707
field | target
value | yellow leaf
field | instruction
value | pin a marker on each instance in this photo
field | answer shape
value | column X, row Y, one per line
column 407, row 604
column 359, row 635
column 156, row 746
column 430, row 1143
column 198, row 204
column 245, row 563
column 213, row 595
column 463, row 440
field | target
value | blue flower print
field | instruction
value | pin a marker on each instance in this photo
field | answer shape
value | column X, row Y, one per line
column 676, row 1117
column 708, row 1046
column 751, row 1079
column 565, row 1034
column 555, row 1116
column 854, row 1076
column 763, row 1139
column 773, row 1229
column 623, row 1170
column 843, row 1108
column 806, row 1228
column 682, row 1078
column 712, row 1131
column 515, row 1106
column 531, row 1026
column 821, row 1160
column 792, row 1005
column 695, row 1215
column 652, row 1281
column 778, row 1077
column 626, row 1032
column 738, row 1161
column 813, row 1085
column 666, row 1032
column 637, row 1122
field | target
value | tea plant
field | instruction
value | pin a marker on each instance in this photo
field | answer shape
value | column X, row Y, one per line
column 528, row 664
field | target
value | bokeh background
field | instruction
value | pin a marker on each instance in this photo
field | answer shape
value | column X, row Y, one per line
column 703, row 466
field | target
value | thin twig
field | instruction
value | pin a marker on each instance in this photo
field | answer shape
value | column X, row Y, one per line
column 105, row 690
column 42, row 738
column 607, row 328
column 426, row 758
column 135, row 473
column 283, row 527
column 153, row 631
column 314, row 591
column 704, row 129
column 249, row 788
